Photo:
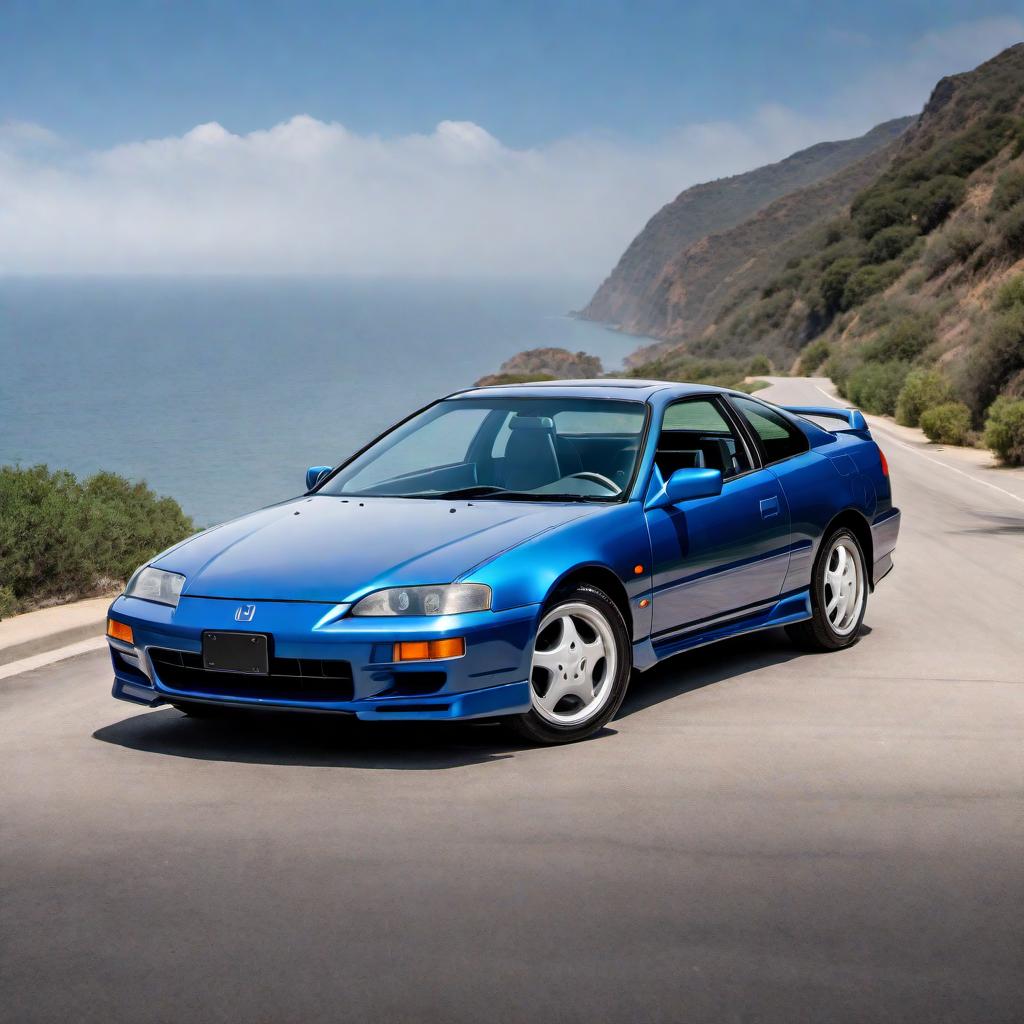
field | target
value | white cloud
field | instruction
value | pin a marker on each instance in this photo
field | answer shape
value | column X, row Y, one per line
column 307, row 196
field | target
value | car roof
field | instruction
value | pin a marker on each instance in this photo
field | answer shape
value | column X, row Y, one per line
column 628, row 388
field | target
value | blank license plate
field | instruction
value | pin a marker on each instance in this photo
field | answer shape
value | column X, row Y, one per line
column 236, row 652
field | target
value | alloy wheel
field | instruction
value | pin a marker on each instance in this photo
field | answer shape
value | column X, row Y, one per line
column 844, row 586
column 574, row 664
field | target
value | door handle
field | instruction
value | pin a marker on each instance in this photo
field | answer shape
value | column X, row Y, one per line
column 769, row 507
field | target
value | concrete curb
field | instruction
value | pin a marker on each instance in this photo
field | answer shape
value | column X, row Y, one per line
column 23, row 636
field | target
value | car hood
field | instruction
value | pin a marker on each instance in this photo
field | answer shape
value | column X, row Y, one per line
column 334, row 550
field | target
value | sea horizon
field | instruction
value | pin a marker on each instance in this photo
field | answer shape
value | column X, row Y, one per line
column 272, row 372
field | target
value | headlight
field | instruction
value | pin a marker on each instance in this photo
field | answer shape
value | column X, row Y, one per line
column 156, row 585
column 452, row 599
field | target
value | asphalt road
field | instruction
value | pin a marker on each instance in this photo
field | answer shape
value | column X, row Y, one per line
column 759, row 836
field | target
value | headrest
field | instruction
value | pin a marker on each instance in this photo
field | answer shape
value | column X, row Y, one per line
column 531, row 423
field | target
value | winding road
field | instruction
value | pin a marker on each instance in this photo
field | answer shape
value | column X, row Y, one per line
column 761, row 835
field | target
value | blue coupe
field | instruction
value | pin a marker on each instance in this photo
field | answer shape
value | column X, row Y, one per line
column 515, row 552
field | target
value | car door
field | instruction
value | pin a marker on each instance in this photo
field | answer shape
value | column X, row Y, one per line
column 808, row 481
column 722, row 556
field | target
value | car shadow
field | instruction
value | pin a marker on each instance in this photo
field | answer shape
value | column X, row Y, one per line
column 727, row 659
column 330, row 741
column 309, row 740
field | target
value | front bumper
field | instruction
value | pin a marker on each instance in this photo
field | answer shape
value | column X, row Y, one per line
column 491, row 679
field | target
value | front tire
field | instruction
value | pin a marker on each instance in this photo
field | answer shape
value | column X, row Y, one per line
column 839, row 595
column 582, row 661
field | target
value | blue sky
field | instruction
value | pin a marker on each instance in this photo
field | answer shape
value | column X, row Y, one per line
column 528, row 71
column 433, row 138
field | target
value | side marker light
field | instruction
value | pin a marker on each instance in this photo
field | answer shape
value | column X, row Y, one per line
column 120, row 631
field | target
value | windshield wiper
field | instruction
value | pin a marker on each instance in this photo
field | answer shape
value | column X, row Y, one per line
column 488, row 490
column 475, row 491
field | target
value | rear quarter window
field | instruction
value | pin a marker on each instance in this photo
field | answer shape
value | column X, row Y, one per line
column 779, row 438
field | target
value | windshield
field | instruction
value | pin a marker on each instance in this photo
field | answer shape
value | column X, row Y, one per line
column 540, row 449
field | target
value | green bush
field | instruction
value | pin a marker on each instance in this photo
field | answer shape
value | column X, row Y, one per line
column 888, row 243
column 813, row 356
column 1011, row 231
column 867, row 281
column 948, row 423
column 1010, row 294
column 922, row 390
column 879, row 211
column 1004, row 429
column 933, row 201
column 61, row 538
column 834, row 281
column 759, row 366
column 875, row 387
column 997, row 356
column 1008, row 192
column 904, row 339
column 954, row 245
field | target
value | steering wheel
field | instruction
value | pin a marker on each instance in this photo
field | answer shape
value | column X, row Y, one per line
column 597, row 478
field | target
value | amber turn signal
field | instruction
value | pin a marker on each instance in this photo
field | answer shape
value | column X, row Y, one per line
column 429, row 650
column 120, row 631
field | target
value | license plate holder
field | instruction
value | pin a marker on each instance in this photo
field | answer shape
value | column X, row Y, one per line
column 236, row 652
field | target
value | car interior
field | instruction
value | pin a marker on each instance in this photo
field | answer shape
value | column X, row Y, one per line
column 537, row 455
column 696, row 435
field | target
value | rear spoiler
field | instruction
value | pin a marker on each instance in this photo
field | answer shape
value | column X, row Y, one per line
column 854, row 417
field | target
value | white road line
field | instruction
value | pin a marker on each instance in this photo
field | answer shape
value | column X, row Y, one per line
column 928, row 458
column 15, row 668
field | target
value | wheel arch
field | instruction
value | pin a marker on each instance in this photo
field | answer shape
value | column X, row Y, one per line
column 599, row 576
column 854, row 520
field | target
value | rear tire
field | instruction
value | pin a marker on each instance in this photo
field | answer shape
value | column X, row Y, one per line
column 582, row 661
column 839, row 595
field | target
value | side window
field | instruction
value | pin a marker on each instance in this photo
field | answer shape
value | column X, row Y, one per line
column 696, row 414
column 694, row 433
column 779, row 438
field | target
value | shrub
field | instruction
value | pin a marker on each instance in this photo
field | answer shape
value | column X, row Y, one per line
column 904, row 339
column 996, row 357
column 1008, row 192
column 833, row 283
column 1010, row 294
column 759, row 365
column 813, row 356
column 875, row 387
column 840, row 366
column 933, row 201
column 922, row 390
column 1011, row 230
column 954, row 245
column 888, row 243
column 1004, row 429
column 915, row 280
column 63, row 538
column 867, row 281
column 948, row 423
column 878, row 212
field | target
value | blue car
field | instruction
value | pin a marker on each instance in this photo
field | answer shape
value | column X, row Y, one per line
column 516, row 552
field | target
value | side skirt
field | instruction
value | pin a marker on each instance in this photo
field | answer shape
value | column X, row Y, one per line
column 791, row 608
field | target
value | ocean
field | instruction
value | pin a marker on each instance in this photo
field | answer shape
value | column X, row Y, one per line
column 219, row 392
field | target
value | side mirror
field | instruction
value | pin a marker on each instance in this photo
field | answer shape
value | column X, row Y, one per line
column 315, row 474
column 687, row 484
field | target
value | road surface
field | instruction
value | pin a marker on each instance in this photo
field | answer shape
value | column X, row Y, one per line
column 759, row 836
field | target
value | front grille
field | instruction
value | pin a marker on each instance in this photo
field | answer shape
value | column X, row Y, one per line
column 309, row 679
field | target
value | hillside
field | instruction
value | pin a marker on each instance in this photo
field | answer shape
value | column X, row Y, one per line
column 689, row 292
column 716, row 206
column 913, row 291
